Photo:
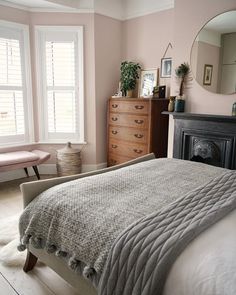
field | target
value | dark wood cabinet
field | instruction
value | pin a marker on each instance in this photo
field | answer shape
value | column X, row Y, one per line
column 136, row 127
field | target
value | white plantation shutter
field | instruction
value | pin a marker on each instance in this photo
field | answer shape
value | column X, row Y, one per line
column 13, row 97
column 60, row 77
column 59, row 56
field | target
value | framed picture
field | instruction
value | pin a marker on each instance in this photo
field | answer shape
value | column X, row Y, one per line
column 166, row 67
column 148, row 80
column 207, row 74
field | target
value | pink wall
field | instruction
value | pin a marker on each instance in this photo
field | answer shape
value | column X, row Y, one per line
column 189, row 18
column 145, row 39
column 107, row 71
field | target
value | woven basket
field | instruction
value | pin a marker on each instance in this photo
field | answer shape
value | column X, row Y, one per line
column 68, row 161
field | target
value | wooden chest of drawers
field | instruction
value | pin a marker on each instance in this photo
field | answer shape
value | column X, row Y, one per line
column 136, row 127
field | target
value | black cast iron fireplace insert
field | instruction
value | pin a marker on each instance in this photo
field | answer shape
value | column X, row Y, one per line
column 209, row 139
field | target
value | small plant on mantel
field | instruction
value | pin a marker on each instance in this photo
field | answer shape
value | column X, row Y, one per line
column 129, row 75
column 182, row 73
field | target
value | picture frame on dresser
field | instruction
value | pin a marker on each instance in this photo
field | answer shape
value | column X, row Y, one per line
column 148, row 80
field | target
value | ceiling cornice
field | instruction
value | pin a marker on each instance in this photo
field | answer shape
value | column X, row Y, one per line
column 134, row 13
column 40, row 9
column 129, row 13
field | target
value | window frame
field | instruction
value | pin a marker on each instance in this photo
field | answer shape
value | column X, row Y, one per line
column 23, row 31
column 40, row 38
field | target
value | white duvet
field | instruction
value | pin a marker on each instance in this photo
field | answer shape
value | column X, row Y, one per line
column 208, row 265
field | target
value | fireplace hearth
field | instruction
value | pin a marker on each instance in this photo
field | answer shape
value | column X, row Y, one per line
column 209, row 139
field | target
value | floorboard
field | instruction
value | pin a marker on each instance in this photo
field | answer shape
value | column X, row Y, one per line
column 5, row 288
column 13, row 281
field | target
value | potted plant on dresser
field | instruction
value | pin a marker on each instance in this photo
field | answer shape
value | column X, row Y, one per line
column 182, row 73
column 129, row 75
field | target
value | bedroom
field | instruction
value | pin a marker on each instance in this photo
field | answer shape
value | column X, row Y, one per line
column 138, row 31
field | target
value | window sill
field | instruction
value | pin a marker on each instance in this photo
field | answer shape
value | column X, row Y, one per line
column 14, row 147
column 62, row 142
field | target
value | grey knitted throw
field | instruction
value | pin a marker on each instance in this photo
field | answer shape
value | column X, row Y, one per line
column 81, row 219
column 141, row 257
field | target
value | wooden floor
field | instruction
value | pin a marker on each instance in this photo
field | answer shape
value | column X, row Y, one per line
column 42, row 280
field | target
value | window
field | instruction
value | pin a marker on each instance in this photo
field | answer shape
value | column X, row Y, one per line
column 60, row 60
column 14, row 76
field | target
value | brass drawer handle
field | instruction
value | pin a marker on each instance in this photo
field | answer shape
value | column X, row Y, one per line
column 114, row 132
column 114, row 119
column 138, row 135
column 114, row 146
column 115, row 106
column 137, row 151
column 139, row 107
column 139, row 121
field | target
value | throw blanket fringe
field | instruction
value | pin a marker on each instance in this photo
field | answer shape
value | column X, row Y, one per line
column 142, row 256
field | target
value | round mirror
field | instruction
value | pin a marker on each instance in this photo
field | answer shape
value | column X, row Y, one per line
column 213, row 54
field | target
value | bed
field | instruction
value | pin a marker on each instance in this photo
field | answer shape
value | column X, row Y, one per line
column 171, row 230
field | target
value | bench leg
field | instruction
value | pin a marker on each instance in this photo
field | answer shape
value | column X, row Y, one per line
column 36, row 171
column 30, row 262
column 26, row 172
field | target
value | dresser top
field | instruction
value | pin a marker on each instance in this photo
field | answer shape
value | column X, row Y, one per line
column 137, row 98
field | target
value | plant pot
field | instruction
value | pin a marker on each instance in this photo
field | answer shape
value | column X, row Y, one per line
column 179, row 105
column 129, row 93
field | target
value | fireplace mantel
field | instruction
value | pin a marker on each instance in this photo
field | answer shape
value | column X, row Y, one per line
column 205, row 117
column 210, row 139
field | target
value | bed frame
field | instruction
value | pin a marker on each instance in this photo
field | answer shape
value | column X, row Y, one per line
column 31, row 190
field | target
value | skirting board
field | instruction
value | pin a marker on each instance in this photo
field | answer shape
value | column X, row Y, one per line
column 48, row 169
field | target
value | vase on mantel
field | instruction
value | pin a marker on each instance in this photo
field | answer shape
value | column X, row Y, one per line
column 179, row 104
column 234, row 109
column 171, row 105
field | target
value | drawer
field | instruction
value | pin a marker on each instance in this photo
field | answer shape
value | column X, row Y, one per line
column 139, row 121
column 129, row 134
column 136, row 107
column 133, row 150
column 116, row 159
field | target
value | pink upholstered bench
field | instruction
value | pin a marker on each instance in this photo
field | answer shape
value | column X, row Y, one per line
column 23, row 159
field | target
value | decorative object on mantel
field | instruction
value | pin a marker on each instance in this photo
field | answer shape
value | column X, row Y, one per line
column 234, row 109
column 148, row 80
column 68, row 161
column 182, row 73
column 171, row 105
column 129, row 75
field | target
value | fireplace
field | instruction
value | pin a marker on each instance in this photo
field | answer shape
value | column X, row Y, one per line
column 209, row 139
